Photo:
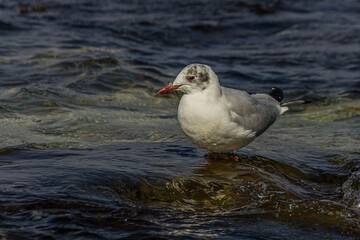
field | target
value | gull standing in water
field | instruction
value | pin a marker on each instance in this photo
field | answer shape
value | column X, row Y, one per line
column 221, row 119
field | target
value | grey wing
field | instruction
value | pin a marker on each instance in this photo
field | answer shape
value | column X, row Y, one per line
column 253, row 112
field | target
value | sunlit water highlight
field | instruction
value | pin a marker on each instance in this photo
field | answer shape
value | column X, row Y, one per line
column 87, row 150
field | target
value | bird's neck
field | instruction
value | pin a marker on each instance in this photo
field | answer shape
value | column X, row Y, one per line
column 206, row 97
column 213, row 91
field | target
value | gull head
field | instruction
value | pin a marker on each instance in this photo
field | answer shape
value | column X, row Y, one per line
column 193, row 78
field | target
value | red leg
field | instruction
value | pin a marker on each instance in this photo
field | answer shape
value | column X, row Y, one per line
column 207, row 163
column 234, row 157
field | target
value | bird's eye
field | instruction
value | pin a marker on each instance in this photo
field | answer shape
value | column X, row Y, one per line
column 191, row 78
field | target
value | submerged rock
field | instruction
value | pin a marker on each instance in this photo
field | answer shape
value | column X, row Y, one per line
column 351, row 190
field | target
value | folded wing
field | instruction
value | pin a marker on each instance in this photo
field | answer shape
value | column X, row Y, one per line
column 255, row 112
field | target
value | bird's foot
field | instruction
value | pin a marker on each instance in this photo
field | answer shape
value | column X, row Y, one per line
column 229, row 156
column 202, row 164
column 209, row 156
column 235, row 157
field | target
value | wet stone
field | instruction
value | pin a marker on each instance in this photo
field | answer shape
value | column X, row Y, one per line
column 351, row 190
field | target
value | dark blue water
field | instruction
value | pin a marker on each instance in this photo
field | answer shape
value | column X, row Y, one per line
column 88, row 152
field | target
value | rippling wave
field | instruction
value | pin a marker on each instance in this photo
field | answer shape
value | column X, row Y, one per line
column 88, row 151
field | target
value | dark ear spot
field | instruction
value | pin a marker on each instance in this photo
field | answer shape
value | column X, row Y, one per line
column 204, row 77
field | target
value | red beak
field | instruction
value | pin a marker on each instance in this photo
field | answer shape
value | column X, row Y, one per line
column 168, row 88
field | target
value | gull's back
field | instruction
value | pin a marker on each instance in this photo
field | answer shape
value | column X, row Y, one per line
column 255, row 112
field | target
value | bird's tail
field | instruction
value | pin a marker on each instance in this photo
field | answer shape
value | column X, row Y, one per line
column 293, row 102
column 285, row 106
column 278, row 95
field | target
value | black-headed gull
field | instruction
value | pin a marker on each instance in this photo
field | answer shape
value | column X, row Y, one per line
column 222, row 119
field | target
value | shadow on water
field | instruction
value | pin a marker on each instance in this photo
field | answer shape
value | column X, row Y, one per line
column 255, row 187
column 127, row 190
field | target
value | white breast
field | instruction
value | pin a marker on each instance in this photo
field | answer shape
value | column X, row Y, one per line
column 208, row 123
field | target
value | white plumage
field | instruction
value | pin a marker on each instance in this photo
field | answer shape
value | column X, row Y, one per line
column 220, row 119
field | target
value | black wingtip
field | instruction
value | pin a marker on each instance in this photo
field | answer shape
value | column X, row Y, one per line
column 277, row 94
